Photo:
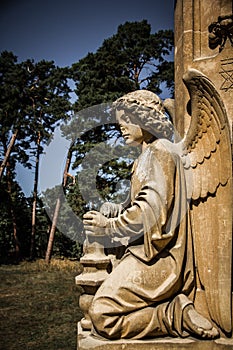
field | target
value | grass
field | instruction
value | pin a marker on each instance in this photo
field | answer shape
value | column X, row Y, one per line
column 39, row 306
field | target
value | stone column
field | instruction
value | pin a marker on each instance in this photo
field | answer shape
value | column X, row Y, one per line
column 203, row 41
column 193, row 49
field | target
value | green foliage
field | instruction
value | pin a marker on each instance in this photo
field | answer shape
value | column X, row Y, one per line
column 12, row 81
column 65, row 245
column 46, row 97
column 22, row 212
column 129, row 60
column 34, row 98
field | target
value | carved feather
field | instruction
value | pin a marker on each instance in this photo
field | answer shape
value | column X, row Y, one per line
column 207, row 136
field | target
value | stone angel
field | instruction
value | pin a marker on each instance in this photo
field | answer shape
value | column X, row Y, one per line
column 175, row 276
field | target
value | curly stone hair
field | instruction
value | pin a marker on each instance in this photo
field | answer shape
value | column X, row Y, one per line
column 144, row 108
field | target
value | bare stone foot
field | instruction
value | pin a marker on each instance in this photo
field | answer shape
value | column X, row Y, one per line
column 196, row 324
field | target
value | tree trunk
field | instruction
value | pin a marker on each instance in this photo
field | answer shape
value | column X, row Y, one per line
column 7, row 153
column 52, row 231
column 6, row 164
column 12, row 213
column 35, row 188
column 57, row 207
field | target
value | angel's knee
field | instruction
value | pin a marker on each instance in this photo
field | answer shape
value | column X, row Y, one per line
column 105, row 318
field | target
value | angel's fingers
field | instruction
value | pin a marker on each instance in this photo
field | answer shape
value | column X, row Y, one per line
column 88, row 215
column 93, row 212
column 89, row 228
column 89, row 222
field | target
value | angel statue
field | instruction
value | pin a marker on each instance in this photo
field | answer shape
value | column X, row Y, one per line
column 175, row 276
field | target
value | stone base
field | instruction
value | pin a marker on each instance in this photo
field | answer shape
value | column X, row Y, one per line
column 87, row 342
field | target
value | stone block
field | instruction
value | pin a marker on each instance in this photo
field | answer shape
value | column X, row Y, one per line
column 88, row 342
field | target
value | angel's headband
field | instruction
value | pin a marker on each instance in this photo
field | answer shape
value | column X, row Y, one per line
column 146, row 109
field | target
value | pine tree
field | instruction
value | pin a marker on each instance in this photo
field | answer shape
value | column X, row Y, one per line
column 34, row 99
column 47, row 104
column 12, row 82
column 131, row 59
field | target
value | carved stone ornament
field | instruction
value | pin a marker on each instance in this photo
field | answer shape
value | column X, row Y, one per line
column 178, row 223
column 220, row 31
column 226, row 73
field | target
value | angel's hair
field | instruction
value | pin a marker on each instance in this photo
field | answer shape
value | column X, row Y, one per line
column 144, row 108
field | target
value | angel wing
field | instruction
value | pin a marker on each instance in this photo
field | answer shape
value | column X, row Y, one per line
column 207, row 158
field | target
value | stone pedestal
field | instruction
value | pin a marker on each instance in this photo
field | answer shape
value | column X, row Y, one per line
column 88, row 342
column 95, row 270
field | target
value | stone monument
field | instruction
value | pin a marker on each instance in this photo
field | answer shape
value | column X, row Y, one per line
column 172, row 288
column 203, row 40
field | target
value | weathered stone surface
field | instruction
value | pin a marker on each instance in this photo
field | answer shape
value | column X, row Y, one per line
column 193, row 50
column 192, row 19
column 88, row 342
column 149, row 294
column 156, row 290
column 95, row 265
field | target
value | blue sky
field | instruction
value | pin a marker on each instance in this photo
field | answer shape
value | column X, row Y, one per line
column 65, row 31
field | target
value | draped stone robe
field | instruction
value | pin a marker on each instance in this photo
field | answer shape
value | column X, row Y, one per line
column 144, row 296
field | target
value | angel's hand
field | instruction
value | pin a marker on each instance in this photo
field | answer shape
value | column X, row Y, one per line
column 95, row 223
column 110, row 210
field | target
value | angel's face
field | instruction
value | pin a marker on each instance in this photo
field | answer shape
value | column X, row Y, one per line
column 132, row 133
